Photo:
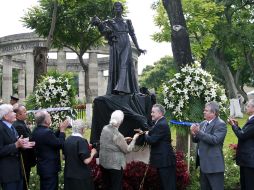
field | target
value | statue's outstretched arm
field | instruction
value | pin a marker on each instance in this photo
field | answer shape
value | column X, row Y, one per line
column 133, row 37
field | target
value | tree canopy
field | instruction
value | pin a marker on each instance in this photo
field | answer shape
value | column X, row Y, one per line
column 221, row 38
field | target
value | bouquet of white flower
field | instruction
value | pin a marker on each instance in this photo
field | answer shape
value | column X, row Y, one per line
column 53, row 91
column 186, row 93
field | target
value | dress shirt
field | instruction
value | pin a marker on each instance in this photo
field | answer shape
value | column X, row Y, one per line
column 251, row 117
column 13, row 130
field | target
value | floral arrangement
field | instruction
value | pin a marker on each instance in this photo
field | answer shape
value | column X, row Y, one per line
column 232, row 172
column 54, row 90
column 135, row 171
column 186, row 94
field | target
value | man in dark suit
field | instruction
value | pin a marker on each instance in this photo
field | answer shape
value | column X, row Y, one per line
column 47, row 149
column 209, row 136
column 10, row 165
column 162, row 155
column 28, row 155
column 245, row 148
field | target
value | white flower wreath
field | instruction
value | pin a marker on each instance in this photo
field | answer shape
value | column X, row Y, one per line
column 192, row 83
column 55, row 91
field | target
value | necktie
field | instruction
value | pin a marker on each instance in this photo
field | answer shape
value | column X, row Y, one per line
column 14, row 131
column 207, row 123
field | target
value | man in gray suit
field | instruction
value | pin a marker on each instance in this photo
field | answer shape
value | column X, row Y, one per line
column 209, row 136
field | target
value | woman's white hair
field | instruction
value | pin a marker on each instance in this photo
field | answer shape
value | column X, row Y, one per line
column 78, row 125
column 5, row 109
column 116, row 118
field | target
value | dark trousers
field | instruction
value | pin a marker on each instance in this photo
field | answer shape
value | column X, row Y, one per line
column 78, row 184
column 167, row 177
column 49, row 182
column 17, row 185
column 112, row 178
column 212, row 181
column 246, row 178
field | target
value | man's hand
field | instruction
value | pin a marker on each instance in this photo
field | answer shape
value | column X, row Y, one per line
column 232, row 121
column 136, row 136
column 128, row 139
column 194, row 128
column 24, row 143
column 93, row 152
column 64, row 125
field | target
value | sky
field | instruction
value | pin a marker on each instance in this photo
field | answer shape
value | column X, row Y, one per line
column 140, row 13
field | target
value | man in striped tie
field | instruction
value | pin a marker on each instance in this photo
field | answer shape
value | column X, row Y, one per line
column 209, row 136
column 10, row 144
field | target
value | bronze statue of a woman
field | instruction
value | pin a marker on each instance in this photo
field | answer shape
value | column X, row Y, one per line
column 122, row 77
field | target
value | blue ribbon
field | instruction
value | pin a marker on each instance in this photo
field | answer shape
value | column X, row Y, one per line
column 51, row 109
column 184, row 123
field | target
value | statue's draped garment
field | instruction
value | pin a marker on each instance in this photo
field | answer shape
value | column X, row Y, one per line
column 122, row 75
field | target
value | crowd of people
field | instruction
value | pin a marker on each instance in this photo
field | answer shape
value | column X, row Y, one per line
column 21, row 149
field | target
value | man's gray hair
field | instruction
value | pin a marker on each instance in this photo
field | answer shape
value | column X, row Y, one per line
column 78, row 125
column 160, row 108
column 214, row 107
column 251, row 102
column 40, row 117
column 116, row 118
column 5, row 109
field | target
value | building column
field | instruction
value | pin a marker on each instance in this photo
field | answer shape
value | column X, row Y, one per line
column 61, row 61
column 102, row 86
column 21, row 85
column 93, row 74
column 81, row 84
column 7, row 78
column 29, row 73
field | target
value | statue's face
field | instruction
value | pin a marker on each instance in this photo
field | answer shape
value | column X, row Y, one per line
column 118, row 7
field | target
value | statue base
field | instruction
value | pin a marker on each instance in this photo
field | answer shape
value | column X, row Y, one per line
column 136, row 108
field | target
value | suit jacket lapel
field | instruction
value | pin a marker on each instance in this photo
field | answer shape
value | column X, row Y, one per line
column 8, row 131
column 211, row 125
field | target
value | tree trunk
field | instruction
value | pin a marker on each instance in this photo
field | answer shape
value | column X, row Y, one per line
column 40, row 63
column 88, row 92
column 41, row 53
column 52, row 26
column 181, row 140
column 239, row 86
column 218, row 57
column 179, row 36
column 181, row 50
column 250, row 60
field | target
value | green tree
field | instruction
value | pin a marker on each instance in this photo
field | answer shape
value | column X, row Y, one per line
column 221, row 38
column 72, row 28
column 153, row 76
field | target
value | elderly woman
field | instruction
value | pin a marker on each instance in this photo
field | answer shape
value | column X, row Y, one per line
column 77, row 174
column 113, row 147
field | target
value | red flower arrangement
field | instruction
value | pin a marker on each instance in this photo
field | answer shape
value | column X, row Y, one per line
column 233, row 149
column 182, row 174
column 135, row 172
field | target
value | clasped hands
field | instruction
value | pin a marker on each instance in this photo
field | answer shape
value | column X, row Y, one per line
column 24, row 143
column 232, row 121
column 195, row 128
column 137, row 134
